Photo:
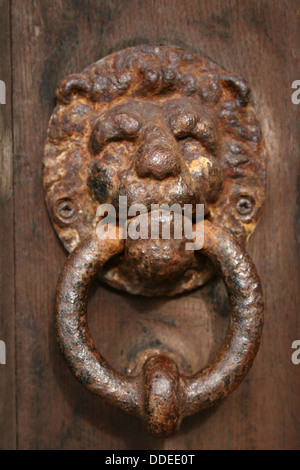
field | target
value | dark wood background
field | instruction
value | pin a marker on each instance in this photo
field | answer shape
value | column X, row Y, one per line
column 41, row 404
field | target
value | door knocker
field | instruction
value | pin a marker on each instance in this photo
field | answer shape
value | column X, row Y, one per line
column 156, row 125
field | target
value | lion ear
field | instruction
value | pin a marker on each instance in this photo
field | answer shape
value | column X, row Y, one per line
column 239, row 88
column 76, row 84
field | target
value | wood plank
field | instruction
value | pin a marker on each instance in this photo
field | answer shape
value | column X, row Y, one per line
column 7, row 318
column 256, row 39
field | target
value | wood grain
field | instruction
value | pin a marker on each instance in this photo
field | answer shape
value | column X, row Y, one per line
column 7, row 317
column 256, row 39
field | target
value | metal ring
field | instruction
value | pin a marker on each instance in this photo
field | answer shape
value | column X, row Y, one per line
column 160, row 394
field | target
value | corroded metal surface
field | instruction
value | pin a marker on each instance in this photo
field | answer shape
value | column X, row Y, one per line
column 158, row 125
column 160, row 394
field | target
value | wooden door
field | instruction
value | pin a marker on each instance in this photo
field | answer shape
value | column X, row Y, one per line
column 41, row 404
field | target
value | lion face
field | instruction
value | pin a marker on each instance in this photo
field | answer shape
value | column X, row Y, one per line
column 154, row 153
column 160, row 126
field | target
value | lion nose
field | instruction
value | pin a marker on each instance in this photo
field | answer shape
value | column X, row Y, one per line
column 157, row 162
column 158, row 156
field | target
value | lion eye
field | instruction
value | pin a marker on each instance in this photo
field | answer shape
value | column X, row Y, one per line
column 128, row 125
column 114, row 127
column 205, row 131
column 182, row 124
column 198, row 126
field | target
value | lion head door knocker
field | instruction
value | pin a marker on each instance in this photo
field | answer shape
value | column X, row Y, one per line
column 156, row 125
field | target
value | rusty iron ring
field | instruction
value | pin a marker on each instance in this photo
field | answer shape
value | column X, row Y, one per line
column 160, row 395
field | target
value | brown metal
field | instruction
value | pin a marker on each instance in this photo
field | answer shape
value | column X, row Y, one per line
column 159, row 394
column 160, row 126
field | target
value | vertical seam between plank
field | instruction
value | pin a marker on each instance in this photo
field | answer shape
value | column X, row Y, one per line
column 14, row 212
